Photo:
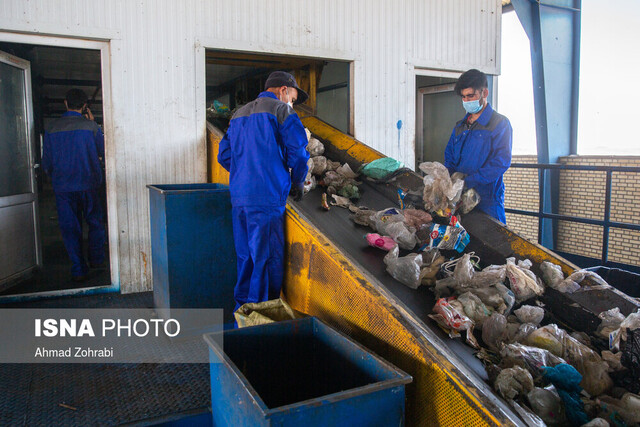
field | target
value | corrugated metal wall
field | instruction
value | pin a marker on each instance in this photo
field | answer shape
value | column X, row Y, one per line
column 157, row 58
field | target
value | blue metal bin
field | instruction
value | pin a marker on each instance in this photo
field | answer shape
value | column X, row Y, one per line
column 301, row 372
column 192, row 250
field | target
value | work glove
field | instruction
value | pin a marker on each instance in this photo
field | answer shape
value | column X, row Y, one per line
column 297, row 191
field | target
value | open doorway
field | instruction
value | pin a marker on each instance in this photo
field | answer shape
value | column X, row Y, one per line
column 53, row 71
column 235, row 78
column 438, row 109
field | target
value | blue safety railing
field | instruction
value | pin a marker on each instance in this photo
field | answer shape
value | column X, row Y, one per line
column 605, row 223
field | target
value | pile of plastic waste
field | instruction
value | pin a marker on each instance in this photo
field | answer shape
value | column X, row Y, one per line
column 338, row 179
column 549, row 375
column 554, row 376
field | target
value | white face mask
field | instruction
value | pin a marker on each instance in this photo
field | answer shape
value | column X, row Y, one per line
column 290, row 103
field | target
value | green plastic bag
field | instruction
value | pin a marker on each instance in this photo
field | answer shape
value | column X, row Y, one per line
column 380, row 168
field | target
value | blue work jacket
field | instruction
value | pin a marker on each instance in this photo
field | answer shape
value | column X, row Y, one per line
column 71, row 153
column 265, row 139
column 482, row 151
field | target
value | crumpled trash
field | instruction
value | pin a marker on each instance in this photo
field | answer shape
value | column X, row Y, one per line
column 523, row 331
column 614, row 360
column 551, row 273
column 449, row 314
column 596, row 379
column 521, row 283
column 319, row 165
column 315, row 147
column 448, row 237
column 490, row 275
column 334, row 179
column 574, row 281
column 463, row 272
column 346, row 171
column 260, row 313
column 630, row 359
column 474, row 308
column 534, row 359
column 530, row 314
column 350, row 191
column 310, row 183
column 332, row 166
column 405, row 270
column 416, row 218
column 610, row 321
column 494, row 331
column 363, row 217
column 566, row 380
column 381, row 168
column 513, row 382
column 632, row 322
column 496, row 296
column 579, row 275
column 440, row 193
column 430, row 267
column 468, row 201
column 382, row 219
column 383, row 242
column 404, row 237
column 547, row 404
column 625, row 410
column 341, row 202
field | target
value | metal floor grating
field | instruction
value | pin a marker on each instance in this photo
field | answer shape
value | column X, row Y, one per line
column 99, row 394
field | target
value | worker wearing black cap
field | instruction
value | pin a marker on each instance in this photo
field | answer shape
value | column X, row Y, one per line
column 264, row 151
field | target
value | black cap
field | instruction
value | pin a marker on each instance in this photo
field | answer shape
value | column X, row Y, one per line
column 282, row 78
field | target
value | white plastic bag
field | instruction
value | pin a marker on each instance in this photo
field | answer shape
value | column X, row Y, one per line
column 494, row 331
column 521, row 283
column 315, row 147
column 405, row 270
column 610, row 321
column 551, row 273
column 530, row 314
column 463, row 273
column 404, row 237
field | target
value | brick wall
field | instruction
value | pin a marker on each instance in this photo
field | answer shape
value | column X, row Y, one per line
column 522, row 193
column 582, row 193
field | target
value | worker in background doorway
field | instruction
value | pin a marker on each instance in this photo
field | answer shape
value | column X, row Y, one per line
column 73, row 147
column 480, row 144
column 264, row 150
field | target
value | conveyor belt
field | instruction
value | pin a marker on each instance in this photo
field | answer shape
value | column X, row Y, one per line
column 349, row 237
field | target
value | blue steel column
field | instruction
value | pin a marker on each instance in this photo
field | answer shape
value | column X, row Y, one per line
column 553, row 28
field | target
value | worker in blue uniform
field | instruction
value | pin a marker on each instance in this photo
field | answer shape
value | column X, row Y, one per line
column 480, row 144
column 264, row 150
column 71, row 156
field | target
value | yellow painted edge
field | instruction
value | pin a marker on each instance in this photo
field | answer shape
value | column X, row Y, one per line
column 443, row 364
column 356, row 149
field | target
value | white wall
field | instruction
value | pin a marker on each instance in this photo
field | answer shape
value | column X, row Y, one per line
column 156, row 129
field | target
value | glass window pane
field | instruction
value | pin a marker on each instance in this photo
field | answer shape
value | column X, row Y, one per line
column 15, row 171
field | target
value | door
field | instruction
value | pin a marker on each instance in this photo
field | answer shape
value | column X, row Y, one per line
column 19, row 243
column 438, row 110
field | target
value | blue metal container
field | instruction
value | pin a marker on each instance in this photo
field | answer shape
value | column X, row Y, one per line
column 301, row 372
column 192, row 250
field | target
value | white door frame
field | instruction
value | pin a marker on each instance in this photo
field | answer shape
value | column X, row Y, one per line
column 110, row 150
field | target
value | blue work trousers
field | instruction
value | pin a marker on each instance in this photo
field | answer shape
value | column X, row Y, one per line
column 258, row 233
column 72, row 207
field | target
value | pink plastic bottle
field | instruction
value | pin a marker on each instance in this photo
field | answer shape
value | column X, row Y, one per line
column 378, row 241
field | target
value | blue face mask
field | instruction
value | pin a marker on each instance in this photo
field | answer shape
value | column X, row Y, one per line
column 472, row 107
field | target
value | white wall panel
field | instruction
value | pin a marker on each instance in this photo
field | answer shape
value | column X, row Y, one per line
column 157, row 77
